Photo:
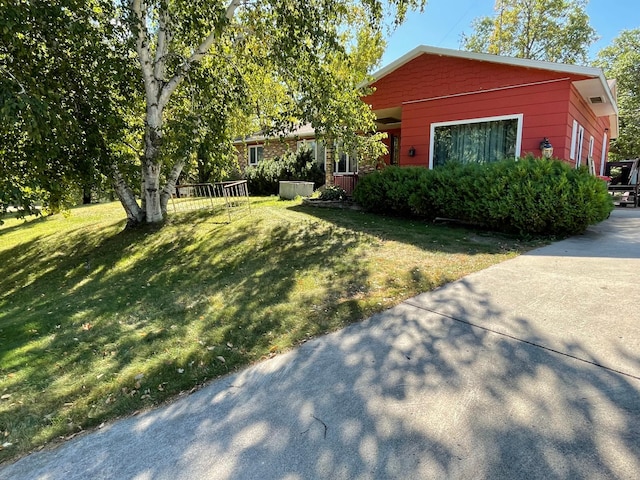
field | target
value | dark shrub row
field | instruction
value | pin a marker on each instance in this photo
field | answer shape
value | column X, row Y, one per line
column 528, row 197
column 263, row 178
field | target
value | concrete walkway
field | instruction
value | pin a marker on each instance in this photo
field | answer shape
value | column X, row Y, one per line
column 529, row 369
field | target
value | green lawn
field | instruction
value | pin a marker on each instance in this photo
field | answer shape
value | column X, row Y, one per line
column 97, row 322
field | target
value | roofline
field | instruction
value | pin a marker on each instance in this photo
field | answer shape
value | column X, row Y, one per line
column 593, row 72
column 486, row 57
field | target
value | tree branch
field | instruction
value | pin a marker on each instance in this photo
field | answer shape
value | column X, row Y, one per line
column 195, row 57
column 22, row 90
column 139, row 9
column 170, row 185
column 164, row 39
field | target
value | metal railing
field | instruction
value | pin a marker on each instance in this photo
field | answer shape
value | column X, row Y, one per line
column 232, row 196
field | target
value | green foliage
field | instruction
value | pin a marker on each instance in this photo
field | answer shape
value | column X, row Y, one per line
column 263, row 178
column 81, row 82
column 527, row 197
column 333, row 192
column 549, row 30
column 620, row 62
column 388, row 190
column 63, row 84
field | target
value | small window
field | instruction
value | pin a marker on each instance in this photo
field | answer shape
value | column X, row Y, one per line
column 579, row 145
column 603, row 157
column 309, row 145
column 574, row 135
column 256, row 153
column 345, row 162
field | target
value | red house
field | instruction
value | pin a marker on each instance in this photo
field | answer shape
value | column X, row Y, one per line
column 438, row 104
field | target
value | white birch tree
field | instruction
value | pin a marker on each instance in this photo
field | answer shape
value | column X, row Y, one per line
column 299, row 46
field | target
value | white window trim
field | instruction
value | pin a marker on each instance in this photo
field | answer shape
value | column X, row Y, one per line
column 337, row 161
column 579, row 144
column 590, row 163
column 574, row 132
column 603, row 158
column 251, row 147
column 518, row 116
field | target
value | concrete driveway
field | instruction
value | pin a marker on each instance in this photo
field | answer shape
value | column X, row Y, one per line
column 529, row 369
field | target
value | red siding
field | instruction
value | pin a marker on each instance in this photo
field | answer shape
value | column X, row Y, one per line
column 593, row 127
column 476, row 89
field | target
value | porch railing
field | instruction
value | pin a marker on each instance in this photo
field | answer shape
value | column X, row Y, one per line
column 347, row 181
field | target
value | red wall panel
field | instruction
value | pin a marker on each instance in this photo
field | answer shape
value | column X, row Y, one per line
column 432, row 88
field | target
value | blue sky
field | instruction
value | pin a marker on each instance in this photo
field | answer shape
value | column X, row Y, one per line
column 443, row 21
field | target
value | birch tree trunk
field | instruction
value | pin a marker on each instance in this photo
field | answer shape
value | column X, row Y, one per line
column 135, row 215
column 151, row 165
column 158, row 91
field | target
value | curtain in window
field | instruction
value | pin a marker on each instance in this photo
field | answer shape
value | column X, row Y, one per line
column 482, row 142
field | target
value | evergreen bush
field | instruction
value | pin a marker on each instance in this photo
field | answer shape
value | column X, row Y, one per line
column 530, row 196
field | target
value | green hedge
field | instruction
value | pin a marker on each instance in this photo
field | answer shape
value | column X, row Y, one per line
column 529, row 197
column 263, row 178
column 388, row 190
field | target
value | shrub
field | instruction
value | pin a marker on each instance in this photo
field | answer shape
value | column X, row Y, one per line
column 388, row 190
column 333, row 192
column 263, row 178
column 528, row 197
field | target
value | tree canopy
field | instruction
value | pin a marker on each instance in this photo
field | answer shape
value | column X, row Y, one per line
column 198, row 67
column 63, row 84
column 548, row 30
column 621, row 61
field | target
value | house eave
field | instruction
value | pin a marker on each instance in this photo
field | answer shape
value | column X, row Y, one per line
column 486, row 57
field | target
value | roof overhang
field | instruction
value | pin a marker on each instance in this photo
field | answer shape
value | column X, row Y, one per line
column 487, row 57
column 597, row 95
column 387, row 118
column 302, row 132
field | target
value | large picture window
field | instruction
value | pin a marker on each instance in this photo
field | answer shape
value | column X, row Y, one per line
column 480, row 140
column 256, row 153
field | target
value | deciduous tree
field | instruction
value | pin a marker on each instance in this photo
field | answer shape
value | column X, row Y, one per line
column 200, row 63
column 298, row 48
column 621, row 61
column 63, row 81
column 549, row 30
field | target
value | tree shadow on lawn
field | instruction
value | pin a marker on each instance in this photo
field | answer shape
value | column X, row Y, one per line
column 438, row 237
column 405, row 394
column 127, row 301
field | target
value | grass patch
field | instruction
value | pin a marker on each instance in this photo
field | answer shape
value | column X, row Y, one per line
column 97, row 322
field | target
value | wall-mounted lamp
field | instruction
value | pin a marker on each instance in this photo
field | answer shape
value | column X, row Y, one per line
column 412, row 152
column 546, row 148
